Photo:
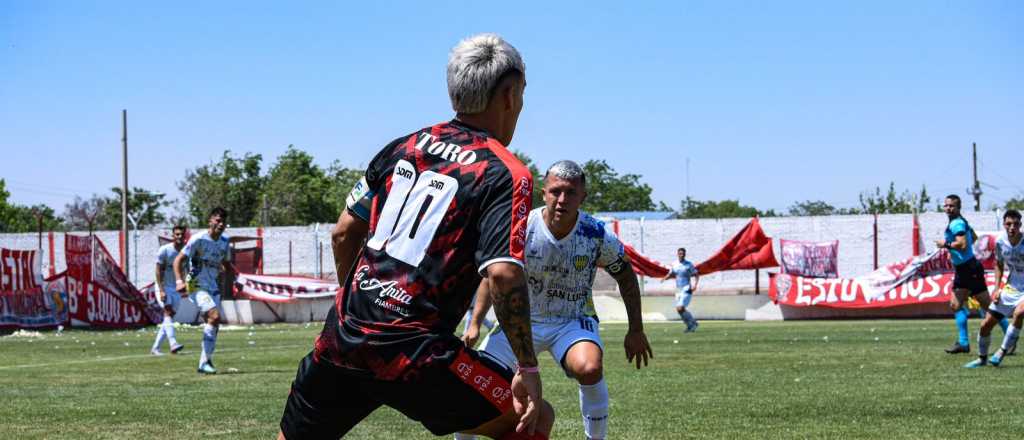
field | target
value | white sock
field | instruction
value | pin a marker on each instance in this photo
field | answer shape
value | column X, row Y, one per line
column 209, row 342
column 1012, row 333
column 983, row 343
column 594, row 407
column 168, row 326
column 461, row 436
column 159, row 337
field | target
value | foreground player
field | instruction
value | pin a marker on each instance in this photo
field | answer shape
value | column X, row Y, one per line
column 440, row 208
column 969, row 279
column 683, row 271
column 1007, row 298
column 166, row 292
column 564, row 248
column 209, row 254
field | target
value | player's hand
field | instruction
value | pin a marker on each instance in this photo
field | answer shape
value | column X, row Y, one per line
column 526, row 400
column 179, row 285
column 160, row 294
column 637, row 347
column 471, row 335
column 995, row 295
column 940, row 243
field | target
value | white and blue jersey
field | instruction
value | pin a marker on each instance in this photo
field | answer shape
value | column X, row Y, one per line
column 958, row 226
column 683, row 271
column 206, row 256
column 165, row 259
column 560, row 273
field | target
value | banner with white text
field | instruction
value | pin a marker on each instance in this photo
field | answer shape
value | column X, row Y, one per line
column 282, row 289
column 917, row 280
column 27, row 301
column 99, row 294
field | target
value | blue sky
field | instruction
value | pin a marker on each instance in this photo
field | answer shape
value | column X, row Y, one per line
column 772, row 102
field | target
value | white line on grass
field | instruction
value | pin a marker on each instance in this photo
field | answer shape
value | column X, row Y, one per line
column 131, row 356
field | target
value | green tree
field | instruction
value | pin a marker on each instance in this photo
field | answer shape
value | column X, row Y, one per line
column 721, row 209
column 143, row 205
column 233, row 183
column 19, row 218
column 1015, row 203
column 297, row 191
column 609, row 192
column 809, row 208
column 892, row 202
column 86, row 214
column 340, row 181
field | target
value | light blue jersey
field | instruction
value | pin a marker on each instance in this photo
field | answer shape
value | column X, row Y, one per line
column 206, row 256
column 165, row 259
column 683, row 271
column 958, row 226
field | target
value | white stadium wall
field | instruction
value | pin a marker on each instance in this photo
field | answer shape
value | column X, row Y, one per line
column 656, row 239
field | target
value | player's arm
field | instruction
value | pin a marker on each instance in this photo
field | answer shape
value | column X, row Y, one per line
column 999, row 280
column 159, row 285
column 507, row 286
column 346, row 240
column 480, row 308
column 959, row 242
column 671, row 274
column 694, row 280
column 179, row 274
column 636, row 344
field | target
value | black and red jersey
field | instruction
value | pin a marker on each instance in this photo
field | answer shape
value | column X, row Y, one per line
column 445, row 202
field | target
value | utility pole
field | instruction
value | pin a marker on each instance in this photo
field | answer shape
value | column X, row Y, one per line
column 124, row 189
column 976, row 189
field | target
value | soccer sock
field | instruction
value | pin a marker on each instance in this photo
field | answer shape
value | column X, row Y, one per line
column 594, row 406
column 961, row 326
column 1011, row 337
column 209, row 341
column 688, row 317
column 461, row 436
column 983, row 343
column 168, row 328
column 159, row 337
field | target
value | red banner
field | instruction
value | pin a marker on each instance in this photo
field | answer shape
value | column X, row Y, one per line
column 280, row 289
column 643, row 265
column 916, row 280
column 810, row 259
column 99, row 294
column 27, row 301
column 748, row 249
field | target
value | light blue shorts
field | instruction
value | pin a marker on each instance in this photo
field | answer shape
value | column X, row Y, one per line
column 683, row 298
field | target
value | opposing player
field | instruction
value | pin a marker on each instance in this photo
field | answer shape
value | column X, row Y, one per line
column 683, row 271
column 1008, row 296
column 969, row 279
column 564, row 248
column 439, row 208
column 209, row 255
column 166, row 293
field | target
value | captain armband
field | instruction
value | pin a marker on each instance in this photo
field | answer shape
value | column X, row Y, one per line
column 360, row 199
column 617, row 266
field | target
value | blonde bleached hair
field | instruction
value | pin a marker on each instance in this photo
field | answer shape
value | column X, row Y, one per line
column 475, row 67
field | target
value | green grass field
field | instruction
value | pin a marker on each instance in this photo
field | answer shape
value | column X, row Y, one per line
column 846, row 379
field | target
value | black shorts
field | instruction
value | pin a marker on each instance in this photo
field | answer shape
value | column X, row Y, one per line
column 457, row 394
column 970, row 275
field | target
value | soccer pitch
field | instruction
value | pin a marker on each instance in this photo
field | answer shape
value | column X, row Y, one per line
column 815, row 379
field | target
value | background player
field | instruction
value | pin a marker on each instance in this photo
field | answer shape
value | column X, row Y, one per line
column 682, row 271
column 1007, row 298
column 564, row 248
column 969, row 279
column 166, row 292
column 440, row 207
column 209, row 253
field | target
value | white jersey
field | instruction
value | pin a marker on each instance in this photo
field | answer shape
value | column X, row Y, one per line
column 206, row 256
column 165, row 259
column 1012, row 258
column 560, row 273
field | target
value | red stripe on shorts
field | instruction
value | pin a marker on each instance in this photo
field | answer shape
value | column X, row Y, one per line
column 491, row 385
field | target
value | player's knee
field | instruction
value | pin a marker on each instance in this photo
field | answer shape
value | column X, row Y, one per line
column 680, row 309
column 589, row 372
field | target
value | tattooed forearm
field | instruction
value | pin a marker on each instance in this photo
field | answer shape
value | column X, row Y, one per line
column 629, row 289
column 346, row 240
column 512, row 306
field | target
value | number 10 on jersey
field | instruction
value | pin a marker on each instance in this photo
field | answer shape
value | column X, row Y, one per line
column 413, row 210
